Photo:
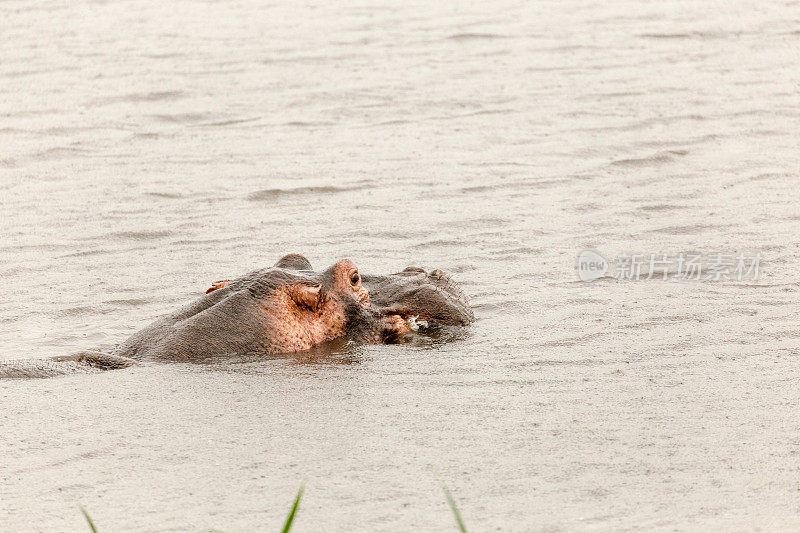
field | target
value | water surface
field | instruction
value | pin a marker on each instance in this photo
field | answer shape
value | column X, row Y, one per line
column 149, row 148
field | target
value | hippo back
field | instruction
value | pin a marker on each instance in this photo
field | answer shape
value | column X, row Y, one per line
column 231, row 320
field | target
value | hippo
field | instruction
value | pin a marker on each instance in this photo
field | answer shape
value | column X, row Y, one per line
column 285, row 308
column 282, row 309
column 426, row 299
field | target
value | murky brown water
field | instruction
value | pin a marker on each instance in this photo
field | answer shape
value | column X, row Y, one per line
column 147, row 149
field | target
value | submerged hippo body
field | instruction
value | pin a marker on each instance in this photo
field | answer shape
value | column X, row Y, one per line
column 281, row 309
column 290, row 308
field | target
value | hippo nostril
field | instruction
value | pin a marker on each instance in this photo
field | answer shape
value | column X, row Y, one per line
column 354, row 278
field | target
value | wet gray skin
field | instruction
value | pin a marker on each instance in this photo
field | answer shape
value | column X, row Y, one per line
column 282, row 309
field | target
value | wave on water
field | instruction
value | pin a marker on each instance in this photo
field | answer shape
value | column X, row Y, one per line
column 142, row 235
column 133, row 98
column 654, row 159
column 268, row 194
column 475, row 36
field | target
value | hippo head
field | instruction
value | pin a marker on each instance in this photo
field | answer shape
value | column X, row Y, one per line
column 402, row 301
column 427, row 297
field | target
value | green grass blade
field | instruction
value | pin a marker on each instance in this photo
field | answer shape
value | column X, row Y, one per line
column 452, row 503
column 289, row 519
column 89, row 520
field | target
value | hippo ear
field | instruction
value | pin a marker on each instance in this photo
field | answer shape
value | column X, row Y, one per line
column 294, row 262
column 411, row 271
column 310, row 296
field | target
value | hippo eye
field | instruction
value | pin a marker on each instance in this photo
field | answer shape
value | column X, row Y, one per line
column 354, row 278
